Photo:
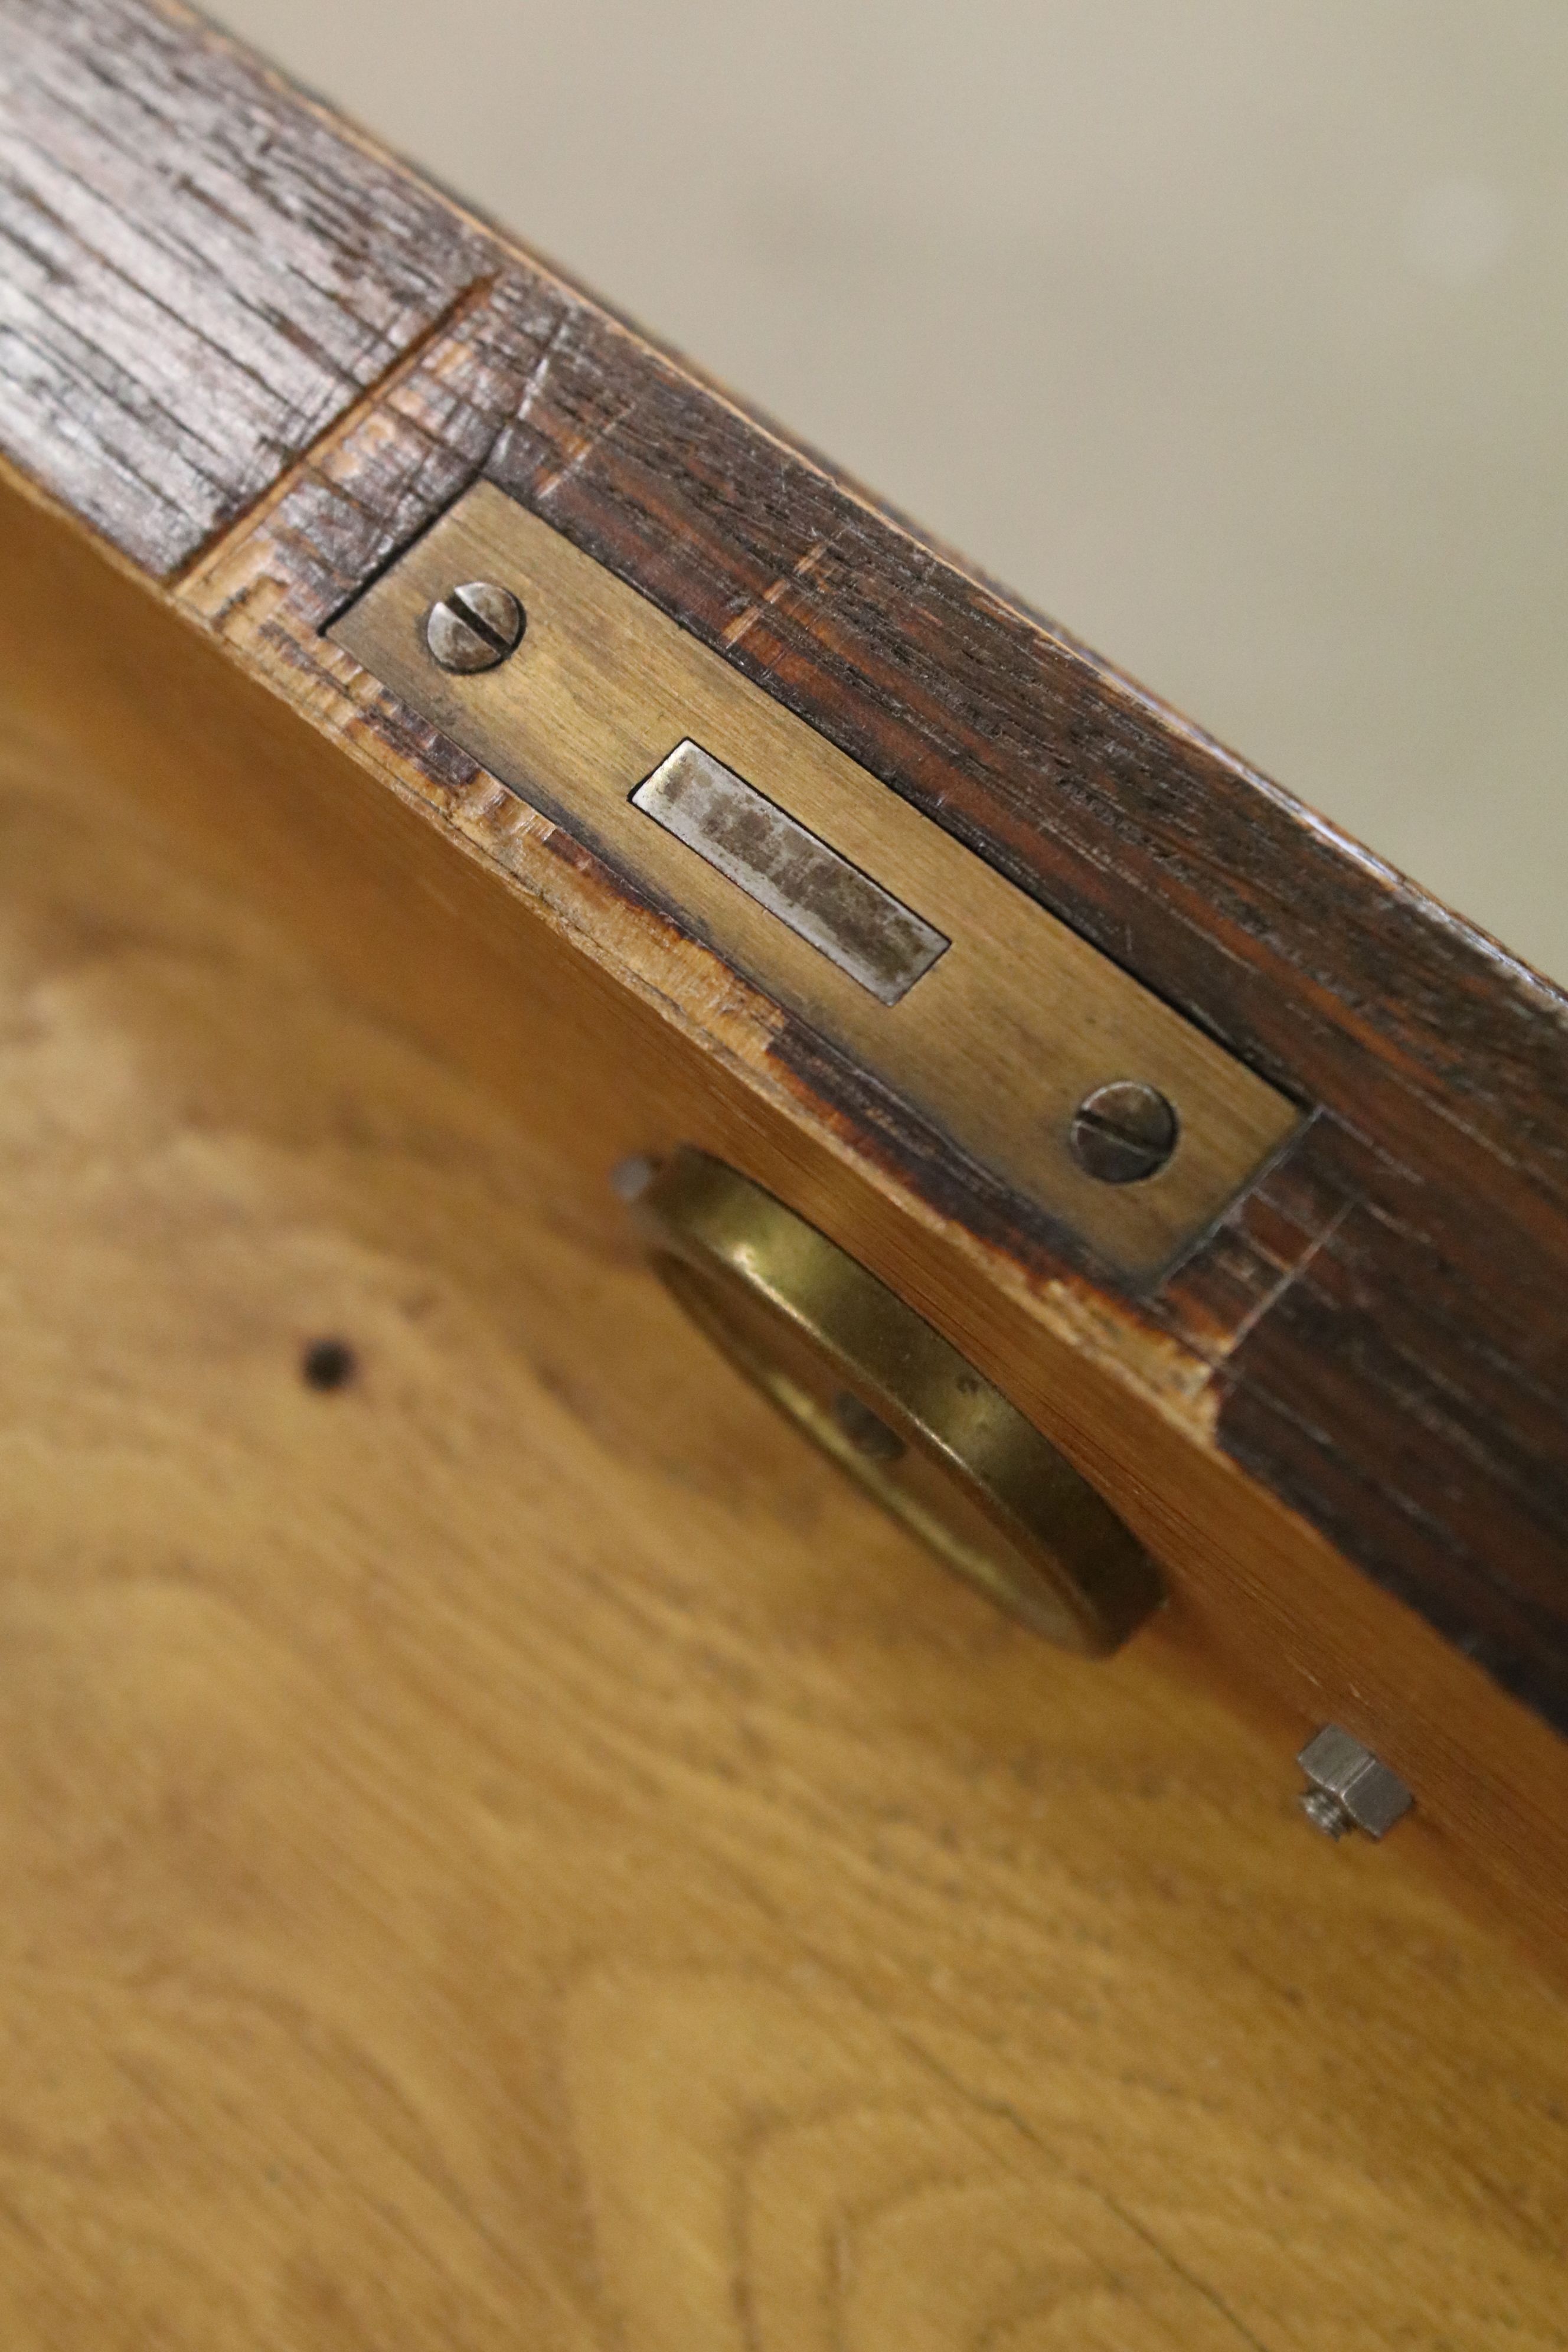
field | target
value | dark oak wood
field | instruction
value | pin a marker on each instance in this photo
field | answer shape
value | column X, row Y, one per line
column 199, row 270
column 204, row 275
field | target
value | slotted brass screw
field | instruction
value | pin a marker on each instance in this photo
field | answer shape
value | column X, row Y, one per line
column 1123, row 1132
column 474, row 628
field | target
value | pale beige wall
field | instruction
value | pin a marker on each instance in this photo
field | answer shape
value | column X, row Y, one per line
column 1233, row 332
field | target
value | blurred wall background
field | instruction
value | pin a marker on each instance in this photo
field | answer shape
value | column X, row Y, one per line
column 1235, row 336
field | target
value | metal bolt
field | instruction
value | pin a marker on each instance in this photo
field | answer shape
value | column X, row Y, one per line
column 475, row 626
column 1327, row 1813
column 1123, row 1132
column 1351, row 1789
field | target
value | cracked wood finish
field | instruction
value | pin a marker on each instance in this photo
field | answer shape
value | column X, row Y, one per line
column 479, row 1871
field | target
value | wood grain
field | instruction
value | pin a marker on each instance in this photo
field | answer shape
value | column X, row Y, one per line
column 1364, row 1364
column 196, row 271
column 511, row 1852
column 514, row 957
column 1381, row 1320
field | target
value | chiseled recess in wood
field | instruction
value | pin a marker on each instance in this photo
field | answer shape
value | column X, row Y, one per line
column 248, row 590
column 1019, row 1021
column 197, row 271
column 1406, row 1456
column 481, row 1872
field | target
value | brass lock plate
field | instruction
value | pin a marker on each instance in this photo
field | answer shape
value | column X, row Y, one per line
column 837, row 897
column 870, row 1383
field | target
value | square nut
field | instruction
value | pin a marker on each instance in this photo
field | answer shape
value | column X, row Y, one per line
column 1351, row 1789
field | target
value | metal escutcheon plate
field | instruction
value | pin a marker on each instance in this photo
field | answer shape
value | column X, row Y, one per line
column 872, row 1384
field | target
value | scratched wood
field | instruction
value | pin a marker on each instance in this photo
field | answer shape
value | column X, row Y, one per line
column 506, row 1850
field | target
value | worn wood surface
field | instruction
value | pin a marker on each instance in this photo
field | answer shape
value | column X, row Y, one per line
column 196, row 271
column 1374, row 1336
column 506, row 1851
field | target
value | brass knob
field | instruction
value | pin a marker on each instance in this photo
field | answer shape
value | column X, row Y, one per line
column 872, row 1384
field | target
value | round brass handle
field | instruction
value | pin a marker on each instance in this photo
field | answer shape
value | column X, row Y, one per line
column 872, row 1384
